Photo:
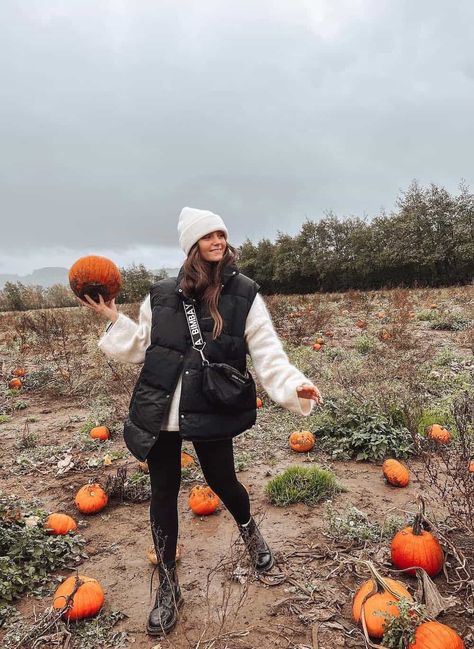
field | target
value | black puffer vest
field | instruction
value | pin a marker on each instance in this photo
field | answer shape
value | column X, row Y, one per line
column 171, row 352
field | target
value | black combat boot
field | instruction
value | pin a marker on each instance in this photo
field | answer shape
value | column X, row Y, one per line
column 260, row 553
column 164, row 614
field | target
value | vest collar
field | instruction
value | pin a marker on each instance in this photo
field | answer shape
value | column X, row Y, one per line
column 229, row 271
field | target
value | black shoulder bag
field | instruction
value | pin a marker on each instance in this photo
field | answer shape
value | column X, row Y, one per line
column 222, row 384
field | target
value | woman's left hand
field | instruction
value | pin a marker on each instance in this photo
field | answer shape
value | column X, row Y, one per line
column 307, row 391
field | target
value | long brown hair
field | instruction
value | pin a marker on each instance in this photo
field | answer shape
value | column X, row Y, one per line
column 202, row 279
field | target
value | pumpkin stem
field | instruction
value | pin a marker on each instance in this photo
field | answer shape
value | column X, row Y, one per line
column 418, row 524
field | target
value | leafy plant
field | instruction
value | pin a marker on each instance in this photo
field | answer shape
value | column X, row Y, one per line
column 302, row 484
column 355, row 526
column 400, row 630
column 358, row 430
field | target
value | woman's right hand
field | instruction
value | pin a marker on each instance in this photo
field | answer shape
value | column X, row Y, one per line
column 107, row 310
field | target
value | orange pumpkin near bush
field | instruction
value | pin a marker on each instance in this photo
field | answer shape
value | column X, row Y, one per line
column 439, row 434
column 19, row 371
column 301, row 441
column 396, row 473
column 100, row 432
column 60, row 524
column 86, row 601
column 416, row 547
column 203, row 501
column 15, row 384
column 91, row 498
column 95, row 275
column 434, row 635
column 382, row 601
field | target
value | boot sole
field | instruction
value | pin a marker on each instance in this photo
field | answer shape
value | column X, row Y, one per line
column 157, row 631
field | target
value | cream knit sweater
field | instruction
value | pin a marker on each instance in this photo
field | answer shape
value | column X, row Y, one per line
column 126, row 341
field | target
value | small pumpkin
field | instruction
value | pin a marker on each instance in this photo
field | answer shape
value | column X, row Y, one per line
column 471, row 466
column 100, row 432
column 414, row 546
column 15, row 384
column 91, row 498
column 385, row 335
column 203, row 501
column 329, row 333
column 95, row 275
column 433, row 306
column 301, row 441
column 439, row 434
column 362, row 324
column 259, row 402
column 151, row 554
column 60, row 524
column 86, row 601
column 320, row 341
column 317, row 347
column 186, row 459
column 143, row 466
column 19, row 371
column 380, row 314
column 434, row 635
column 382, row 601
column 396, row 473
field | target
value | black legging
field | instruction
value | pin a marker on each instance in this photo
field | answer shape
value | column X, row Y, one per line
column 164, row 461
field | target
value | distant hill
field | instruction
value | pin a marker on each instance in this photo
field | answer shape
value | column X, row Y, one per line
column 53, row 275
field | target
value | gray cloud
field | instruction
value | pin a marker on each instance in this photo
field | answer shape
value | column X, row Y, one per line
column 116, row 114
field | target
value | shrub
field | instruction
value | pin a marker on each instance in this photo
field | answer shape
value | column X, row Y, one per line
column 302, row 484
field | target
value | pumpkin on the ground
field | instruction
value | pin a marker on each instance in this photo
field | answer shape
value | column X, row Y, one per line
column 143, row 466
column 416, row 547
column 396, row 473
column 471, row 466
column 95, row 275
column 382, row 601
column 15, row 384
column 203, row 501
column 259, row 402
column 301, row 441
column 100, row 432
column 439, row 434
column 151, row 554
column 60, row 524
column 186, row 459
column 19, row 371
column 86, row 601
column 317, row 347
column 434, row 635
column 91, row 498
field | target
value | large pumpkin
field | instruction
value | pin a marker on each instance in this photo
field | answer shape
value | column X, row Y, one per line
column 91, row 498
column 86, row 601
column 301, row 441
column 95, row 275
column 439, row 434
column 203, row 501
column 376, row 605
column 60, row 524
column 100, row 432
column 414, row 546
column 434, row 635
column 396, row 473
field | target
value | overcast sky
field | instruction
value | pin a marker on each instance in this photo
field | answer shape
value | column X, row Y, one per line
column 116, row 114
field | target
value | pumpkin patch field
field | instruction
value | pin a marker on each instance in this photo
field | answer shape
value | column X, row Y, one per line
column 367, row 503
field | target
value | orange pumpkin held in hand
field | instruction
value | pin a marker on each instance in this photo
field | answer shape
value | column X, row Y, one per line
column 377, row 604
column 86, row 601
column 396, row 473
column 60, row 524
column 203, row 501
column 95, row 275
column 439, row 434
column 100, row 432
column 434, row 635
column 91, row 498
column 15, row 384
column 301, row 441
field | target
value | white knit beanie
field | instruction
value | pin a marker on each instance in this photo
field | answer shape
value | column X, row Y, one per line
column 194, row 224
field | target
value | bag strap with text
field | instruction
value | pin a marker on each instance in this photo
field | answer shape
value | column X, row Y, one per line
column 194, row 329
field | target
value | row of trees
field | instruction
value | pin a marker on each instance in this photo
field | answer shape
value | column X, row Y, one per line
column 427, row 241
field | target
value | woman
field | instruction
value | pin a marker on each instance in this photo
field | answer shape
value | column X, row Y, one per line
column 168, row 404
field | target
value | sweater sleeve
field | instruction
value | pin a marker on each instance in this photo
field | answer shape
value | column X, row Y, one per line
column 126, row 340
column 278, row 377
